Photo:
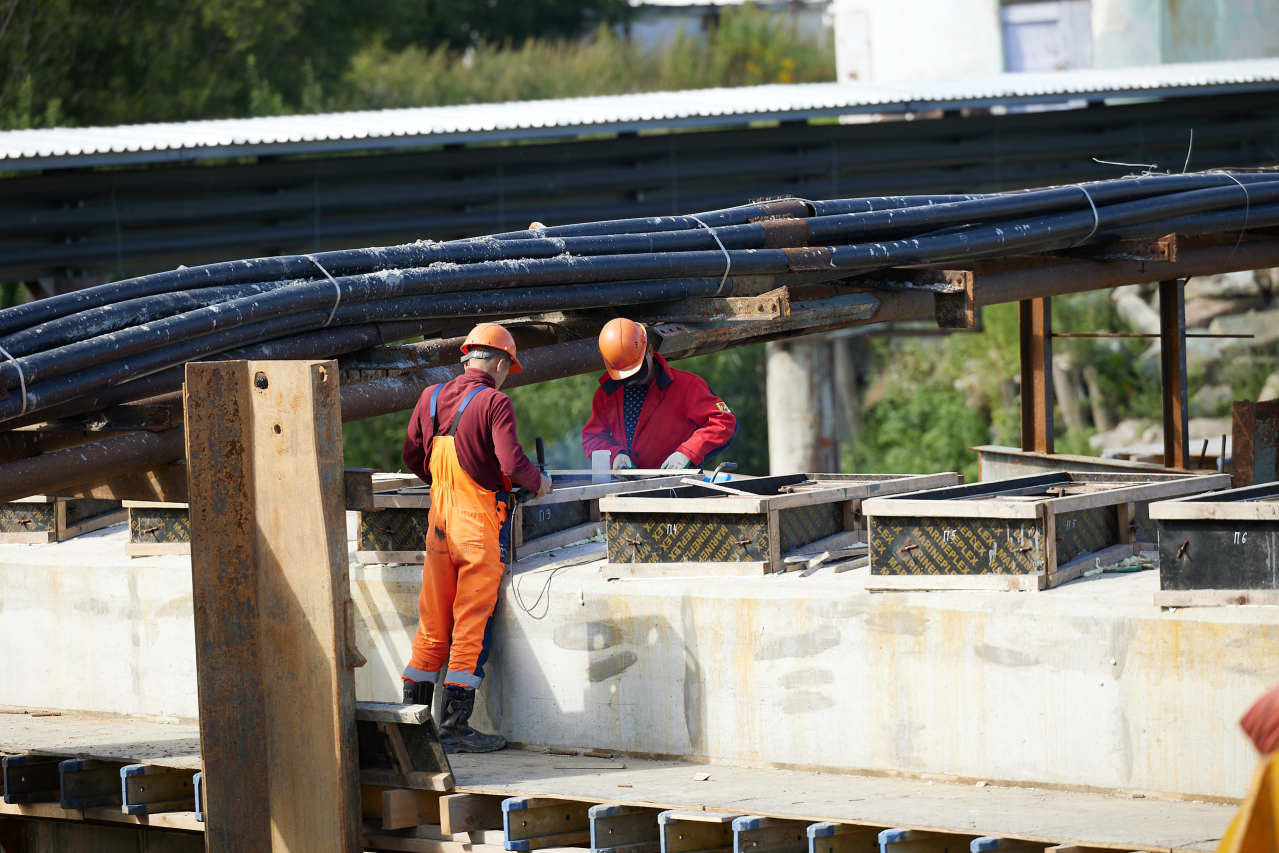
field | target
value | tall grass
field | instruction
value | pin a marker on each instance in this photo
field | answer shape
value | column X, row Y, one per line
column 749, row 46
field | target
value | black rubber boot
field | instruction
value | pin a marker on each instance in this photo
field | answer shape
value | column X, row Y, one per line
column 418, row 692
column 456, row 734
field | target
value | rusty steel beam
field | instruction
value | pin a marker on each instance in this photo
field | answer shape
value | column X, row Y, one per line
column 1035, row 326
column 130, row 452
column 1172, row 371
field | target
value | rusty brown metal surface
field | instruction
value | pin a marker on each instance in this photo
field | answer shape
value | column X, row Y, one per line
column 271, row 593
column 781, row 233
column 1172, row 371
column 1255, row 451
column 1035, row 325
column 809, row 258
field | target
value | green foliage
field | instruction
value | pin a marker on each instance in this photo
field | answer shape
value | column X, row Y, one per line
column 458, row 24
column 555, row 411
column 375, row 443
column 933, row 398
column 70, row 63
column 749, row 47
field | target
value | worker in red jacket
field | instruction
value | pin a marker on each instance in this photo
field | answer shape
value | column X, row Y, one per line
column 647, row 414
column 461, row 440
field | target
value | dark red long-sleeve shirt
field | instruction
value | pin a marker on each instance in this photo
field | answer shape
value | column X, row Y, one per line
column 486, row 443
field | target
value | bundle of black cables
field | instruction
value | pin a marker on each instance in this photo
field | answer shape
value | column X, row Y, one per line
column 125, row 340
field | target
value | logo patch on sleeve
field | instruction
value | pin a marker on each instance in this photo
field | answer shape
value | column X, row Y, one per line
column 723, row 407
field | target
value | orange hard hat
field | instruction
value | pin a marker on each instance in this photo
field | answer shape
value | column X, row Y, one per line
column 623, row 343
column 493, row 336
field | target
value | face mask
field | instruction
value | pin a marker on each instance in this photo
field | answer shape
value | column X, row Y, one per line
column 644, row 374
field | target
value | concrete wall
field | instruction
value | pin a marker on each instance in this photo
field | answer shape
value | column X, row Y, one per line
column 880, row 40
column 876, row 40
column 1087, row 685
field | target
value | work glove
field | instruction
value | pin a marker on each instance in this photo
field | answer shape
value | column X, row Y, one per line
column 1261, row 723
column 677, row 460
column 544, row 487
column 621, row 460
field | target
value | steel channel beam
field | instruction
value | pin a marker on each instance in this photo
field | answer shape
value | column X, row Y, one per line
column 1172, row 371
column 1035, row 327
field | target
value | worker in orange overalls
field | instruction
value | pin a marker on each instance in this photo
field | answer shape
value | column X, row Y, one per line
column 461, row 440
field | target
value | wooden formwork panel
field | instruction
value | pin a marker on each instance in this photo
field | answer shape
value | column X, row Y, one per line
column 744, row 526
column 41, row 519
column 1221, row 548
column 395, row 529
column 157, row 528
column 1023, row 533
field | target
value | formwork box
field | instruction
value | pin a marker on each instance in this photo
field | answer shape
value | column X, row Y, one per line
column 1219, row 548
column 1023, row 533
column 395, row 530
column 708, row 529
column 158, row 527
column 41, row 519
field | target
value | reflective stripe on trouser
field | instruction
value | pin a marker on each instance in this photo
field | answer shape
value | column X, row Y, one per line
column 467, row 543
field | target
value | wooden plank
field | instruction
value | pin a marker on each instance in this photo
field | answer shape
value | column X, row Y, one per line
column 1007, row 583
column 157, row 549
column 669, row 570
column 469, row 813
column 379, row 841
column 392, row 712
column 1190, row 485
column 561, row 538
column 270, row 588
column 403, row 807
column 947, row 508
column 387, row 557
column 1085, row 562
column 718, row 504
column 1215, row 597
column 88, row 525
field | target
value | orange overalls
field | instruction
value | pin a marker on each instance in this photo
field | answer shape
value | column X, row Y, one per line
column 467, row 545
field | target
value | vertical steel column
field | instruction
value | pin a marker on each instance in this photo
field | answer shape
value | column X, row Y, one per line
column 1172, row 368
column 1036, row 327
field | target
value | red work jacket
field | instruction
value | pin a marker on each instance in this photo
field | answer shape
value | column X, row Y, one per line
column 680, row 413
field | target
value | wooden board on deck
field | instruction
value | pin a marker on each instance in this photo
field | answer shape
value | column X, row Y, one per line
column 108, row 737
column 1054, row 816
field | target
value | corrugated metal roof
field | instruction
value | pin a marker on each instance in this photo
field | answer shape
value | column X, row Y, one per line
column 403, row 128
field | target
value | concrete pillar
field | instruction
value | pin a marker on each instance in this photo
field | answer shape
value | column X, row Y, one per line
column 801, row 422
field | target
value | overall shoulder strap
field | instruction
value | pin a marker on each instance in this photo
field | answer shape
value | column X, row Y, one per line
column 435, row 398
column 462, row 408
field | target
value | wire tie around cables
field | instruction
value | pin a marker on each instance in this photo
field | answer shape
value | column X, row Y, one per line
column 337, row 300
column 22, row 380
column 728, row 259
column 1247, row 206
column 1096, row 217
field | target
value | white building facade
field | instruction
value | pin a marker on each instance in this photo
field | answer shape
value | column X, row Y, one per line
column 885, row 40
